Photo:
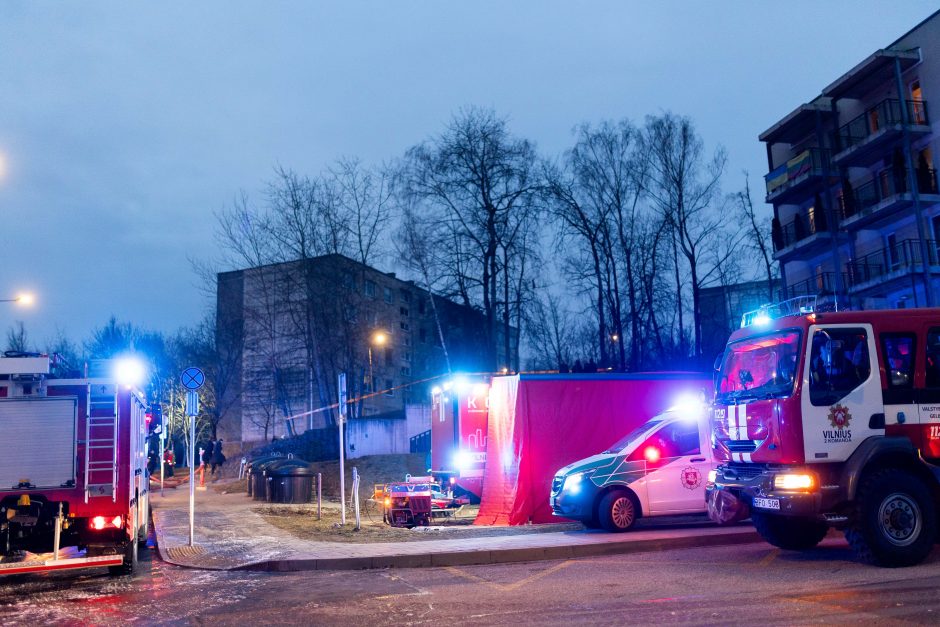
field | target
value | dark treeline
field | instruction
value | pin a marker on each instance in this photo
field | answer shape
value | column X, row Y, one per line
column 597, row 256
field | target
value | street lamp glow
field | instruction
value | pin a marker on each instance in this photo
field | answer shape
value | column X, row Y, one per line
column 379, row 338
column 25, row 299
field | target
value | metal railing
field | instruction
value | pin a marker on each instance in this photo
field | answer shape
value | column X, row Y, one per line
column 799, row 228
column 885, row 113
column 822, row 283
column 867, row 195
column 902, row 256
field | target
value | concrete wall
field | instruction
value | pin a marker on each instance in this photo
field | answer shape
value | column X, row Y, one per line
column 376, row 436
column 418, row 418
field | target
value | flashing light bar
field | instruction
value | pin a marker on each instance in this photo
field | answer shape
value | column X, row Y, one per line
column 798, row 306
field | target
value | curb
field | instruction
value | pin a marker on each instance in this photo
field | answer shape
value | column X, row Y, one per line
column 504, row 556
column 203, row 560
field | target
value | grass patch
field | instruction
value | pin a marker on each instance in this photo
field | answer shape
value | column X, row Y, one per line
column 301, row 522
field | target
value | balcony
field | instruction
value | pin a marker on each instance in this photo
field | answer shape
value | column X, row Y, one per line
column 804, row 233
column 821, row 284
column 889, row 264
column 798, row 177
column 868, row 137
column 884, row 196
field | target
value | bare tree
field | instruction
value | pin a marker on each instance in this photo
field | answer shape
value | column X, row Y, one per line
column 684, row 182
column 18, row 338
column 476, row 177
column 552, row 331
column 757, row 240
column 363, row 196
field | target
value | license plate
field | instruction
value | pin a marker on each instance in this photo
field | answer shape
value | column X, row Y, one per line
column 767, row 503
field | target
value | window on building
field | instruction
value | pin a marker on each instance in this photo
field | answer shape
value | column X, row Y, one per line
column 387, row 293
column 404, row 326
column 421, row 305
column 403, row 311
column 369, row 287
column 389, row 387
column 919, row 112
column 891, row 251
column 839, row 363
column 898, row 351
column 926, row 175
column 933, row 358
column 389, row 354
column 405, row 371
column 423, row 336
column 405, row 296
column 406, row 356
column 349, row 281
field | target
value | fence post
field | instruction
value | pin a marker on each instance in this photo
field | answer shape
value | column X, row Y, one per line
column 355, row 488
column 319, row 494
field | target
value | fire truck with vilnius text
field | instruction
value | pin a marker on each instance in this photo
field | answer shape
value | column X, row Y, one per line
column 831, row 420
column 73, row 475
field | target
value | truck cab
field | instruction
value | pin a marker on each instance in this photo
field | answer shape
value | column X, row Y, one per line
column 829, row 419
column 658, row 469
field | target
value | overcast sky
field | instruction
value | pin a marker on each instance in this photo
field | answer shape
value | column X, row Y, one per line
column 125, row 125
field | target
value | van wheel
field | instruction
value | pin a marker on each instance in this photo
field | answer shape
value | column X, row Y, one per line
column 792, row 534
column 895, row 522
column 617, row 511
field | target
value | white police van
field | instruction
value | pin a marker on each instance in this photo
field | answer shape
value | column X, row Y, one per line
column 658, row 469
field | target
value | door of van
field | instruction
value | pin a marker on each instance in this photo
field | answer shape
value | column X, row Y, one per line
column 676, row 480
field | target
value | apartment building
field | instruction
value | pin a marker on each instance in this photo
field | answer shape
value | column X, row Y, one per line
column 853, row 183
column 291, row 328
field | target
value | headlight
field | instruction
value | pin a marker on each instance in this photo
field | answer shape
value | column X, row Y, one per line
column 802, row 481
column 573, row 482
column 712, row 475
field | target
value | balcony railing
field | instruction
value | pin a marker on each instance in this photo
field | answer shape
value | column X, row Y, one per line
column 854, row 201
column 802, row 227
column 812, row 161
column 885, row 113
column 822, row 283
column 902, row 256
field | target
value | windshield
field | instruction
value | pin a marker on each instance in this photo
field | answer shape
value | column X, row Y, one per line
column 759, row 367
column 620, row 444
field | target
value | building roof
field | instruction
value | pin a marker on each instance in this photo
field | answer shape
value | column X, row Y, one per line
column 871, row 73
column 798, row 123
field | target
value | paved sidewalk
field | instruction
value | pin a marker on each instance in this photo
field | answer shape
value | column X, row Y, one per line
column 229, row 536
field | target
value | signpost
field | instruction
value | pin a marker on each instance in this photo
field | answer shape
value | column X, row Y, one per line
column 192, row 379
column 342, row 449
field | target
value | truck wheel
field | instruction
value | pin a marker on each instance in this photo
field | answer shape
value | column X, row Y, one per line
column 792, row 534
column 144, row 530
column 617, row 511
column 895, row 522
column 130, row 560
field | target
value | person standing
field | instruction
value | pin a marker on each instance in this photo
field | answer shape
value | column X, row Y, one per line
column 218, row 457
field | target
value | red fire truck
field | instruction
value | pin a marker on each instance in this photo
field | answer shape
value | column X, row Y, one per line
column 73, row 475
column 831, row 419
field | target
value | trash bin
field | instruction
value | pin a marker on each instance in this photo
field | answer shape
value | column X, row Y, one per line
column 291, row 481
column 260, row 479
column 253, row 464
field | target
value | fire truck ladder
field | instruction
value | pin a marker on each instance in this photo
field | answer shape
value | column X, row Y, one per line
column 101, row 435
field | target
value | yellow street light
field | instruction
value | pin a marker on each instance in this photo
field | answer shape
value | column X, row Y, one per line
column 379, row 338
column 21, row 299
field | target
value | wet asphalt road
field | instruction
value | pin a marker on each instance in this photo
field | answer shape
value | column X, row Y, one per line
column 748, row 584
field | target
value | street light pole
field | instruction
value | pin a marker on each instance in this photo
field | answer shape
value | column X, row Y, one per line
column 22, row 299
